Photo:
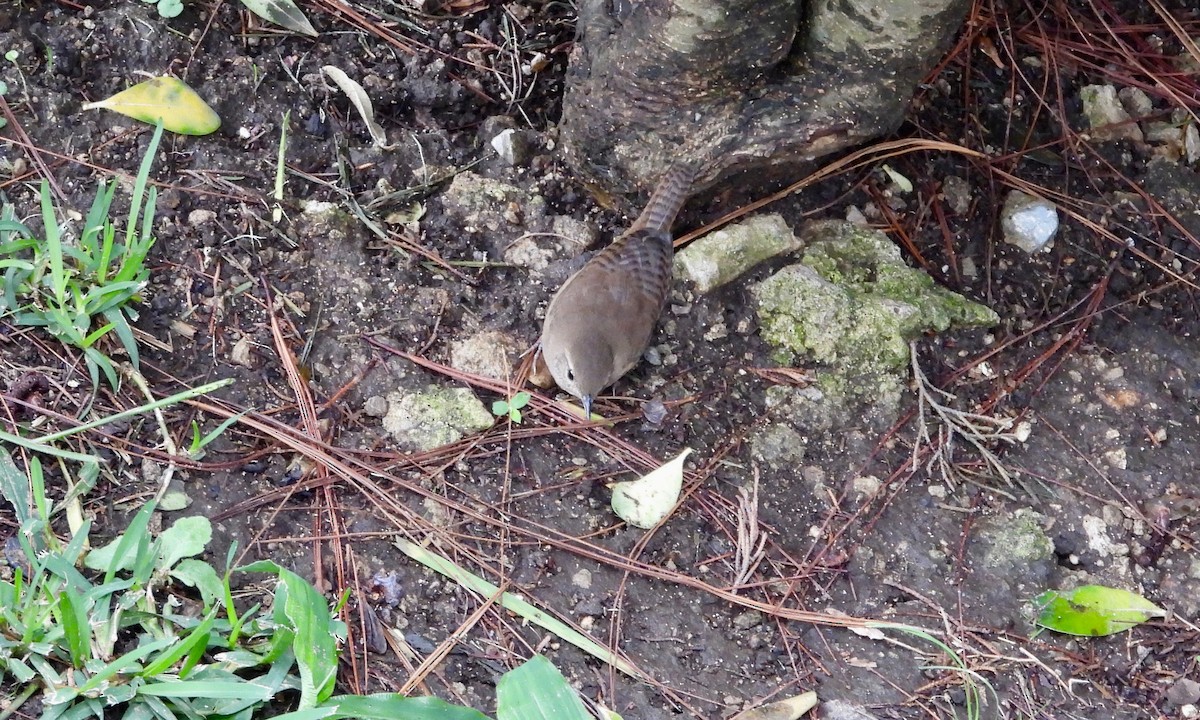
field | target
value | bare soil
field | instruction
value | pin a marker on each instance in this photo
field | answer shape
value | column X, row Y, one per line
column 1097, row 350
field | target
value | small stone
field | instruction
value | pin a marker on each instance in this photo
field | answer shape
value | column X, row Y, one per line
column 724, row 255
column 240, row 354
column 1028, row 222
column 1184, row 691
column 434, row 417
column 957, row 192
column 201, row 217
column 747, row 620
column 375, row 406
column 582, row 579
column 514, row 147
column 854, row 215
column 968, row 268
column 1136, row 102
column 866, row 485
column 491, row 354
column 654, row 412
column 1105, row 116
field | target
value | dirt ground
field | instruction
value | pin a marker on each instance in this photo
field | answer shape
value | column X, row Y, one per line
column 1096, row 351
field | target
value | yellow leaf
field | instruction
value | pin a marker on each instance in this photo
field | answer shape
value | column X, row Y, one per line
column 646, row 501
column 167, row 99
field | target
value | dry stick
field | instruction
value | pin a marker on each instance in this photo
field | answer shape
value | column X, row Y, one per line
column 860, row 158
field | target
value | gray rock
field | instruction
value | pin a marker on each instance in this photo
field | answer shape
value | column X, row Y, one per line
column 722, row 256
column 1184, row 691
column 1028, row 222
column 854, row 305
column 957, row 192
column 434, row 417
column 490, row 353
column 1104, row 114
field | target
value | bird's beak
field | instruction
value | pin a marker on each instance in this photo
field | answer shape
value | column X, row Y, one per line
column 587, row 408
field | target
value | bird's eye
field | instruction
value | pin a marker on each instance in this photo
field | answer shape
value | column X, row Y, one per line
column 571, row 375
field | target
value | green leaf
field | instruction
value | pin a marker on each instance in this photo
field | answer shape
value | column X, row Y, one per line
column 75, row 625
column 165, row 100
column 647, row 501
column 174, row 500
column 187, row 536
column 384, row 706
column 520, row 400
column 1094, row 610
column 537, row 691
column 200, row 575
column 197, row 638
column 122, row 552
column 14, row 486
column 170, row 8
column 211, row 689
column 314, row 644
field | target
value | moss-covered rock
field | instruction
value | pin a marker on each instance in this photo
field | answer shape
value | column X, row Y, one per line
column 434, row 417
column 722, row 256
column 853, row 301
column 853, row 306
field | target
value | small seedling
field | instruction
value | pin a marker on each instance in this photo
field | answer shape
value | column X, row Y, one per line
column 511, row 407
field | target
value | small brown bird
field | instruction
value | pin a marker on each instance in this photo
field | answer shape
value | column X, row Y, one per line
column 601, row 319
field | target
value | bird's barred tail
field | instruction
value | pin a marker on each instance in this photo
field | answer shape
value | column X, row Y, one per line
column 669, row 196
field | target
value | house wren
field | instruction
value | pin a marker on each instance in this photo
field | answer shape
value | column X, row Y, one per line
column 601, row 319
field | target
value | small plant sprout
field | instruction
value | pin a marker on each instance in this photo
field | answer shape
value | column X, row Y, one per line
column 511, row 407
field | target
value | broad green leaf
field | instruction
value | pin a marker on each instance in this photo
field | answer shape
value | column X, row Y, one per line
column 187, row 536
column 645, row 502
column 315, row 644
column 1094, row 610
column 167, row 100
column 235, row 689
column 122, row 552
column 200, row 575
column 384, row 706
column 169, row 8
column 537, row 691
column 283, row 13
column 174, row 500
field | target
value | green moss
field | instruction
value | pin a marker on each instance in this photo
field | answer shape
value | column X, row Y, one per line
column 854, row 306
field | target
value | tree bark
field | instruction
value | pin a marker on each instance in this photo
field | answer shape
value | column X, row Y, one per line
column 742, row 85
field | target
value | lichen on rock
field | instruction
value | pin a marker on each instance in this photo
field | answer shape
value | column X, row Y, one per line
column 853, row 306
column 434, row 417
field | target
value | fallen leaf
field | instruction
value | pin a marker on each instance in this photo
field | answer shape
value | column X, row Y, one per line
column 1094, row 610
column 360, row 101
column 283, row 13
column 788, row 709
column 646, row 501
column 167, row 100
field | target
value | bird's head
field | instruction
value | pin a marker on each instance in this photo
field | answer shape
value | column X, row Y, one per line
column 581, row 363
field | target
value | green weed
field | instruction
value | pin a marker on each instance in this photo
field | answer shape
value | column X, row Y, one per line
column 81, row 291
column 105, row 634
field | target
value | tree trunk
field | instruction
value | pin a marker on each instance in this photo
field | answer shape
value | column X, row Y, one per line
column 743, row 85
